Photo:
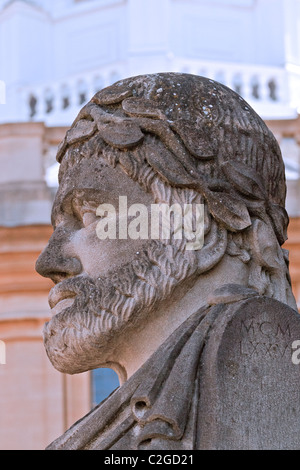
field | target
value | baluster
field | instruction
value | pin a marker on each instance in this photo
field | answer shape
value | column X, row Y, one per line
column 82, row 92
column 247, row 88
column 273, row 89
column 281, row 89
column 237, row 82
column 65, row 98
column 56, row 96
column 48, row 101
column 265, row 91
column 40, row 105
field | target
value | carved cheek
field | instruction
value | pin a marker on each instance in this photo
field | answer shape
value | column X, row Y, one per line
column 95, row 255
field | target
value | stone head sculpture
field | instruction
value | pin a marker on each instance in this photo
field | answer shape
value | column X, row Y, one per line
column 172, row 139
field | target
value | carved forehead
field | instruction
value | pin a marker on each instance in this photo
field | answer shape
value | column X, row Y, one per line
column 94, row 179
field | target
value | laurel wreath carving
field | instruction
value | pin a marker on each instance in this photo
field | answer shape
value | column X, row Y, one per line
column 230, row 204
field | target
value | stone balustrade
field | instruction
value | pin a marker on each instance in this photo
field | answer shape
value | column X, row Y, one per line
column 253, row 82
column 57, row 103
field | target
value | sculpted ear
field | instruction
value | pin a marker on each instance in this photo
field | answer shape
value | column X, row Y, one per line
column 268, row 264
column 266, row 249
column 215, row 244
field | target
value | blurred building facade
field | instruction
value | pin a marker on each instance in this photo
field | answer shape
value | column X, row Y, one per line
column 54, row 55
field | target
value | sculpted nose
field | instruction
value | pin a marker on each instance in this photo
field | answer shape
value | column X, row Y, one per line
column 55, row 263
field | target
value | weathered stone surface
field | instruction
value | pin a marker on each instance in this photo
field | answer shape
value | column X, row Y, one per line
column 188, row 380
column 250, row 395
column 242, row 393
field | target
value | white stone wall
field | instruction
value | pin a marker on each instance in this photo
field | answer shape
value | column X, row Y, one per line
column 60, row 46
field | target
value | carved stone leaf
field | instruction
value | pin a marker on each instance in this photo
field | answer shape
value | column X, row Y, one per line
column 162, row 130
column 167, row 166
column 142, row 107
column 111, row 95
column 244, row 179
column 197, row 143
column 121, row 136
column 230, row 211
column 61, row 150
column 81, row 131
column 279, row 219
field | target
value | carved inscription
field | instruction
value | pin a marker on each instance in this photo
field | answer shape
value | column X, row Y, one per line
column 264, row 338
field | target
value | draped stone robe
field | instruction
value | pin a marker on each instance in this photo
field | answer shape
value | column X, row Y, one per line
column 224, row 379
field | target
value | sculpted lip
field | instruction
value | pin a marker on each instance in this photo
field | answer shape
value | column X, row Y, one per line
column 59, row 293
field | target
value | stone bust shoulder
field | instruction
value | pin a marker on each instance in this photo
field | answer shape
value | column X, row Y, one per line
column 212, row 385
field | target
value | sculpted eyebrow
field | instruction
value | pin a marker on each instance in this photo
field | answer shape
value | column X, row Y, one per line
column 65, row 204
column 61, row 206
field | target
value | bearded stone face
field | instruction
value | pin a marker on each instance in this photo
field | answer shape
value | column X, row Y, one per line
column 162, row 138
column 103, row 288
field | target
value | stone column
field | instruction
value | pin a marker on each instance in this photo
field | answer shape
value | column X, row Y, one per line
column 24, row 196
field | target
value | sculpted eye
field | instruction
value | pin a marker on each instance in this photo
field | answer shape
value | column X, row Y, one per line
column 88, row 218
column 84, row 211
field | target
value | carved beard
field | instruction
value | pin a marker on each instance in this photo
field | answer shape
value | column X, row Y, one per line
column 79, row 337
